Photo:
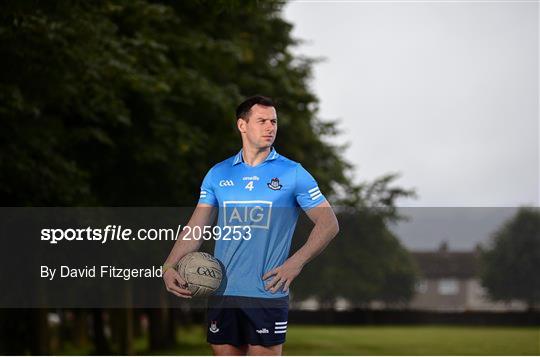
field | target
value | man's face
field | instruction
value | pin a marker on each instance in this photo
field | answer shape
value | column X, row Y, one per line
column 261, row 128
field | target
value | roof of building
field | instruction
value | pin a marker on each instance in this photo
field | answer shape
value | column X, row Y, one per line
column 446, row 264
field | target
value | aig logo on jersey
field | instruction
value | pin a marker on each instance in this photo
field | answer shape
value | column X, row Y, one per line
column 255, row 214
column 226, row 183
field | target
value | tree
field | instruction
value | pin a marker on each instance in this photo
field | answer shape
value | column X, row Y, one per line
column 365, row 263
column 510, row 268
column 95, row 96
column 128, row 103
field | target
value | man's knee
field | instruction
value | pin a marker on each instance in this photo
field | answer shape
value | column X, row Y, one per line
column 229, row 350
column 258, row 350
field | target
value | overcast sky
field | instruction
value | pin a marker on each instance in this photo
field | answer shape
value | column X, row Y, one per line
column 444, row 93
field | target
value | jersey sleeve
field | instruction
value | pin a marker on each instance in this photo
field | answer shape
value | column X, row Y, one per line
column 207, row 194
column 307, row 192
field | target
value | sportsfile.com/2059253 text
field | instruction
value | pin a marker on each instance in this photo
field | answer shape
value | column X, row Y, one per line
column 119, row 233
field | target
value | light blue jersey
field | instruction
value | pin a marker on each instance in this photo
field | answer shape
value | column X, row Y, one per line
column 262, row 201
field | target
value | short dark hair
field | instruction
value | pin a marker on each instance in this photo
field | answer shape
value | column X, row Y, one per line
column 244, row 109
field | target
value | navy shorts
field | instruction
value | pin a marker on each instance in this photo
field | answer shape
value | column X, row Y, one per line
column 238, row 320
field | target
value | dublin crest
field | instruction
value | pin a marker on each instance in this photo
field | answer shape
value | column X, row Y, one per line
column 274, row 184
column 213, row 327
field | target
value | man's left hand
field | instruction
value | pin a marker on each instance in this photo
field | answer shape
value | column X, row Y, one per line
column 282, row 276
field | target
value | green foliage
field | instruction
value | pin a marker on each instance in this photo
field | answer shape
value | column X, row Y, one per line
column 365, row 262
column 511, row 267
column 128, row 103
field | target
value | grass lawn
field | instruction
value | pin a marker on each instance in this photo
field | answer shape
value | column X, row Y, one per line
column 385, row 340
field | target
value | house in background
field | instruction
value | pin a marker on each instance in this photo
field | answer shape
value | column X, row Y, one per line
column 450, row 282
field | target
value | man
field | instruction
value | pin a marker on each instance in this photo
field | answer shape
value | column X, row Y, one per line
column 258, row 191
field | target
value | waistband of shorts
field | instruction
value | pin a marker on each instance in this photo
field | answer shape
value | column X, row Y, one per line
column 230, row 301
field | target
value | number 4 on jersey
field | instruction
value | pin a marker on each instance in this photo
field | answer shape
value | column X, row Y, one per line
column 249, row 186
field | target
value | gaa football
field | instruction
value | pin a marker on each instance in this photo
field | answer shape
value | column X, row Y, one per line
column 201, row 271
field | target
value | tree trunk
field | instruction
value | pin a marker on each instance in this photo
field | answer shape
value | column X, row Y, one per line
column 122, row 329
column 171, row 327
column 137, row 326
column 80, row 328
column 12, row 332
column 39, row 332
column 101, row 344
column 157, row 328
column 157, row 325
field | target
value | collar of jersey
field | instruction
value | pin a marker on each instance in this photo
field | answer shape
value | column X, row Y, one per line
column 272, row 156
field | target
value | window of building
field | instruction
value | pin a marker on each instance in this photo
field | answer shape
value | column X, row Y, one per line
column 448, row 287
column 421, row 287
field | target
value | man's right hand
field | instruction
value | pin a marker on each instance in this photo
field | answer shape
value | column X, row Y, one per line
column 175, row 284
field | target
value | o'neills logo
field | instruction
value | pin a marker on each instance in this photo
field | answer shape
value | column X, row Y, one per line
column 250, row 178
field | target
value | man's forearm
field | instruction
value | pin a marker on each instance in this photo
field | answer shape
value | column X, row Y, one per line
column 182, row 247
column 324, row 231
column 203, row 216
